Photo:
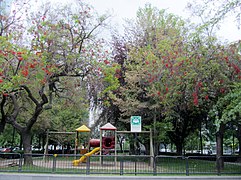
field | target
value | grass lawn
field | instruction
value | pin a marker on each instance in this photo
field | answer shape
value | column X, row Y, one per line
column 126, row 165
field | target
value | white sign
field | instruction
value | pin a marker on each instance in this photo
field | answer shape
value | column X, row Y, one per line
column 135, row 123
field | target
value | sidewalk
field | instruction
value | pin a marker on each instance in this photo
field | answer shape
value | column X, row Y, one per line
column 11, row 176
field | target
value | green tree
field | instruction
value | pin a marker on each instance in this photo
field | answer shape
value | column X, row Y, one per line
column 213, row 12
column 61, row 44
column 9, row 138
column 144, row 67
column 69, row 111
column 172, row 74
column 227, row 110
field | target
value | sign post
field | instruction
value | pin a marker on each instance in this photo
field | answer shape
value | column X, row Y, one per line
column 135, row 123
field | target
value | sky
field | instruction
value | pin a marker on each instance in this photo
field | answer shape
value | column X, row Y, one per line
column 126, row 9
column 123, row 9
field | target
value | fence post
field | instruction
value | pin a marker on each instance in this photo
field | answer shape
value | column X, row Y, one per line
column 20, row 162
column 187, row 166
column 121, row 167
column 135, row 167
column 54, row 163
column 218, row 165
column 87, row 165
column 154, row 165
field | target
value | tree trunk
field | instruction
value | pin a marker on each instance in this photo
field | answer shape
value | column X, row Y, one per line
column 26, row 139
column 147, row 146
column 219, row 144
column 179, row 148
column 177, row 139
column 132, row 148
column 2, row 126
column 156, row 148
column 120, row 141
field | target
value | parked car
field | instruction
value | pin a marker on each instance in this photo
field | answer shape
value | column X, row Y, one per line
column 8, row 153
column 4, row 153
column 5, row 150
column 15, row 149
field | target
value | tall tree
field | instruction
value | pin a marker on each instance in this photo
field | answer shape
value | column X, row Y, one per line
column 60, row 43
column 172, row 74
column 145, row 67
column 212, row 13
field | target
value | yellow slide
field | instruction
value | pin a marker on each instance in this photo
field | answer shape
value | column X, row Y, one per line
column 83, row 158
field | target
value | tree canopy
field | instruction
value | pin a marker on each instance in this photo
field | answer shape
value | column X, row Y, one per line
column 173, row 74
column 59, row 44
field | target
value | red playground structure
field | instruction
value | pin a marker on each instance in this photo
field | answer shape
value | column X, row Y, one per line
column 102, row 145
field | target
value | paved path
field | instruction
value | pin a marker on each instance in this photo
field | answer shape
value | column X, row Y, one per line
column 12, row 176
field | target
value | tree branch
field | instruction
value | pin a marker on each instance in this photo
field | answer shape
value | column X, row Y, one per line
column 11, row 119
column 30, row 94
column 3, row 119
column 15, row 105
column 43, row 97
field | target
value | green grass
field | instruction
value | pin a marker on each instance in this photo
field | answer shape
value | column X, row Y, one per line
column 195, row 166
column 132, row 166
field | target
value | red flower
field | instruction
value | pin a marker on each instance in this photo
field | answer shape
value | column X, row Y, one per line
column 167, row 89
column 195, row 99
column 32, row 65
column 226, row 59
column 43, row 18
column 236, row 68
column 221, row 81
column 222, row 90
column 46, row 71
column 106, row 62
column 206, row 97
column 200, row 84
column 25, row 72
column 20, row 58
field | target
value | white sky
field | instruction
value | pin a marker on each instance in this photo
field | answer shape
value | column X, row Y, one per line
column 122, row 9
column 127, row 9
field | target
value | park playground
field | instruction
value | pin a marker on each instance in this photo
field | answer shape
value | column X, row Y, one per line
column 96, row 158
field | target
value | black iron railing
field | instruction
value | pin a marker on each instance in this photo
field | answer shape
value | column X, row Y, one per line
column 120, row 164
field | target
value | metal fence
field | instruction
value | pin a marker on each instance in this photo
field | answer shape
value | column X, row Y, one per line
column 121, row 164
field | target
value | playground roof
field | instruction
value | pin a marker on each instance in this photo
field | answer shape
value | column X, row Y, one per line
column 108, row 126
column 83, row 128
